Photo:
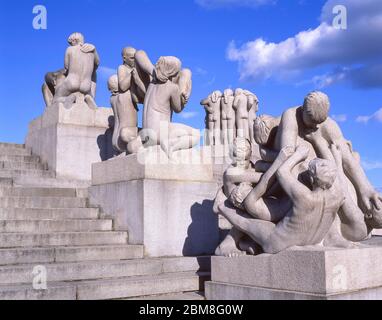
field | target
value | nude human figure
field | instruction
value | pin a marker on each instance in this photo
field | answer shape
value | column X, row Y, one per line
column 168, row 92
column 312, row 123
column 311, row 216
column 52, row 81
column 131, row 91
column 213, row 110
column 81, row 63
column 228, row 117
column 253, row 107
column 241, row 108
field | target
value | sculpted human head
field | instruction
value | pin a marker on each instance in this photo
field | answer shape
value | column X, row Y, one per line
column 215, row 96
column 167, row 68
column 264, row 129
column 315, row 109
column 323, row 173
column 76, row 39
column 239, row 91
column 242, row 151
column 112, row 84
column 227, row 93
column 128, row 55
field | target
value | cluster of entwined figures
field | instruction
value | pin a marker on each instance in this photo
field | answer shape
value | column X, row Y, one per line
column 307, row 186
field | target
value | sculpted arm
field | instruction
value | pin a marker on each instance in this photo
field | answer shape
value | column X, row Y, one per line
column 96, row 59
column 124, row 78
column 67, row 60
column 175, row 99
column 293, row 188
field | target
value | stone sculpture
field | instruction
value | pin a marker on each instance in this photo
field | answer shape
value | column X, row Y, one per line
column 228, row 117
column 79, row 84
column 213, row 111
column 131, row 91
column 306, row 164
column 52, row 81
column 168, row 92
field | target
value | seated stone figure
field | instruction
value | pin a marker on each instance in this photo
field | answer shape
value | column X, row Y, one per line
column 168, row 92
column 81, row 63
column 312, row 214
column 52, row 81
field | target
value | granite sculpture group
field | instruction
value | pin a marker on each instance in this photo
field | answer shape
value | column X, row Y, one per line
column 306, row 188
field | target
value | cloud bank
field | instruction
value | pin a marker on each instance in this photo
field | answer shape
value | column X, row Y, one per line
column 350, row 55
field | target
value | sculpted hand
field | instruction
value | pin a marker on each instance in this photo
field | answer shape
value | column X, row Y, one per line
column 372, row 200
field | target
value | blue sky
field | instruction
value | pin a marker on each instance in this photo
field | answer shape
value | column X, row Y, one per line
column 278, row 49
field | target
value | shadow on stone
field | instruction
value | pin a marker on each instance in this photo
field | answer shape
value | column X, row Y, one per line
column 105, row 144
column 203, row 232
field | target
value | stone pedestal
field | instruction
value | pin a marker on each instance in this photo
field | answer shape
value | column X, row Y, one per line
column 165, row 206
column 70, row 140
column 300, row 273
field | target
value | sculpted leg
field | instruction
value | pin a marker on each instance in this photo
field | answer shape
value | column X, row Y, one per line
column 229, row 246
column 90, row 102
column 47, row 94
column 224, row 132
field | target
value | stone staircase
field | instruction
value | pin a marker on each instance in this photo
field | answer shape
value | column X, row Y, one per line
column 48, row 222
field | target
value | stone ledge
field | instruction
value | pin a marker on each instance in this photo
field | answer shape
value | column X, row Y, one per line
column 314, row 270
column 153, row 164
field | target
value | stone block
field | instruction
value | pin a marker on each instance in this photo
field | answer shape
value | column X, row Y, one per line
column 70, row 140
column 166, row 207
column 299, row 273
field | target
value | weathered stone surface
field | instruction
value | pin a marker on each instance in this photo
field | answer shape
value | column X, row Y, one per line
column 171, row 218
column 70, row 140
column 298, row 272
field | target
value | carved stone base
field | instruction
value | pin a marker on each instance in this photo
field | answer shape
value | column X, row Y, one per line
column 166, row 207
column 300, row 273
column 70, row 140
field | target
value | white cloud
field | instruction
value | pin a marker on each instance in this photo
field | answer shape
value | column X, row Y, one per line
column 213, row 4
column 377, row 116
column 340, row 117
column 200, row 71
column 352, row 54
column 371, row 165
column 106, row 72
column 188, row 114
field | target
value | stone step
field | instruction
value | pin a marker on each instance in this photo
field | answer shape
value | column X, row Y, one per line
column 26, row 181
column 14, row 165
column 42, row 192
column 48, row 214
column 30, row 159
column 106, row 289
column 197, row 295
column 14, row 151
column 74, row 271
column 69, row 254
column 48, row 226
column 42, row 202
column 17, row 240
column 140, row 286
column 4, row 173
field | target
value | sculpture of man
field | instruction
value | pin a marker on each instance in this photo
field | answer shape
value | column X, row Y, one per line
column 241, row 107
column 168, row 92
column 312, row 123
column 81, row 63
column 228, row 117
column 253, row 107
column 212, row 106
column 132, row 91
column 52, row 81
column 311, row 216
